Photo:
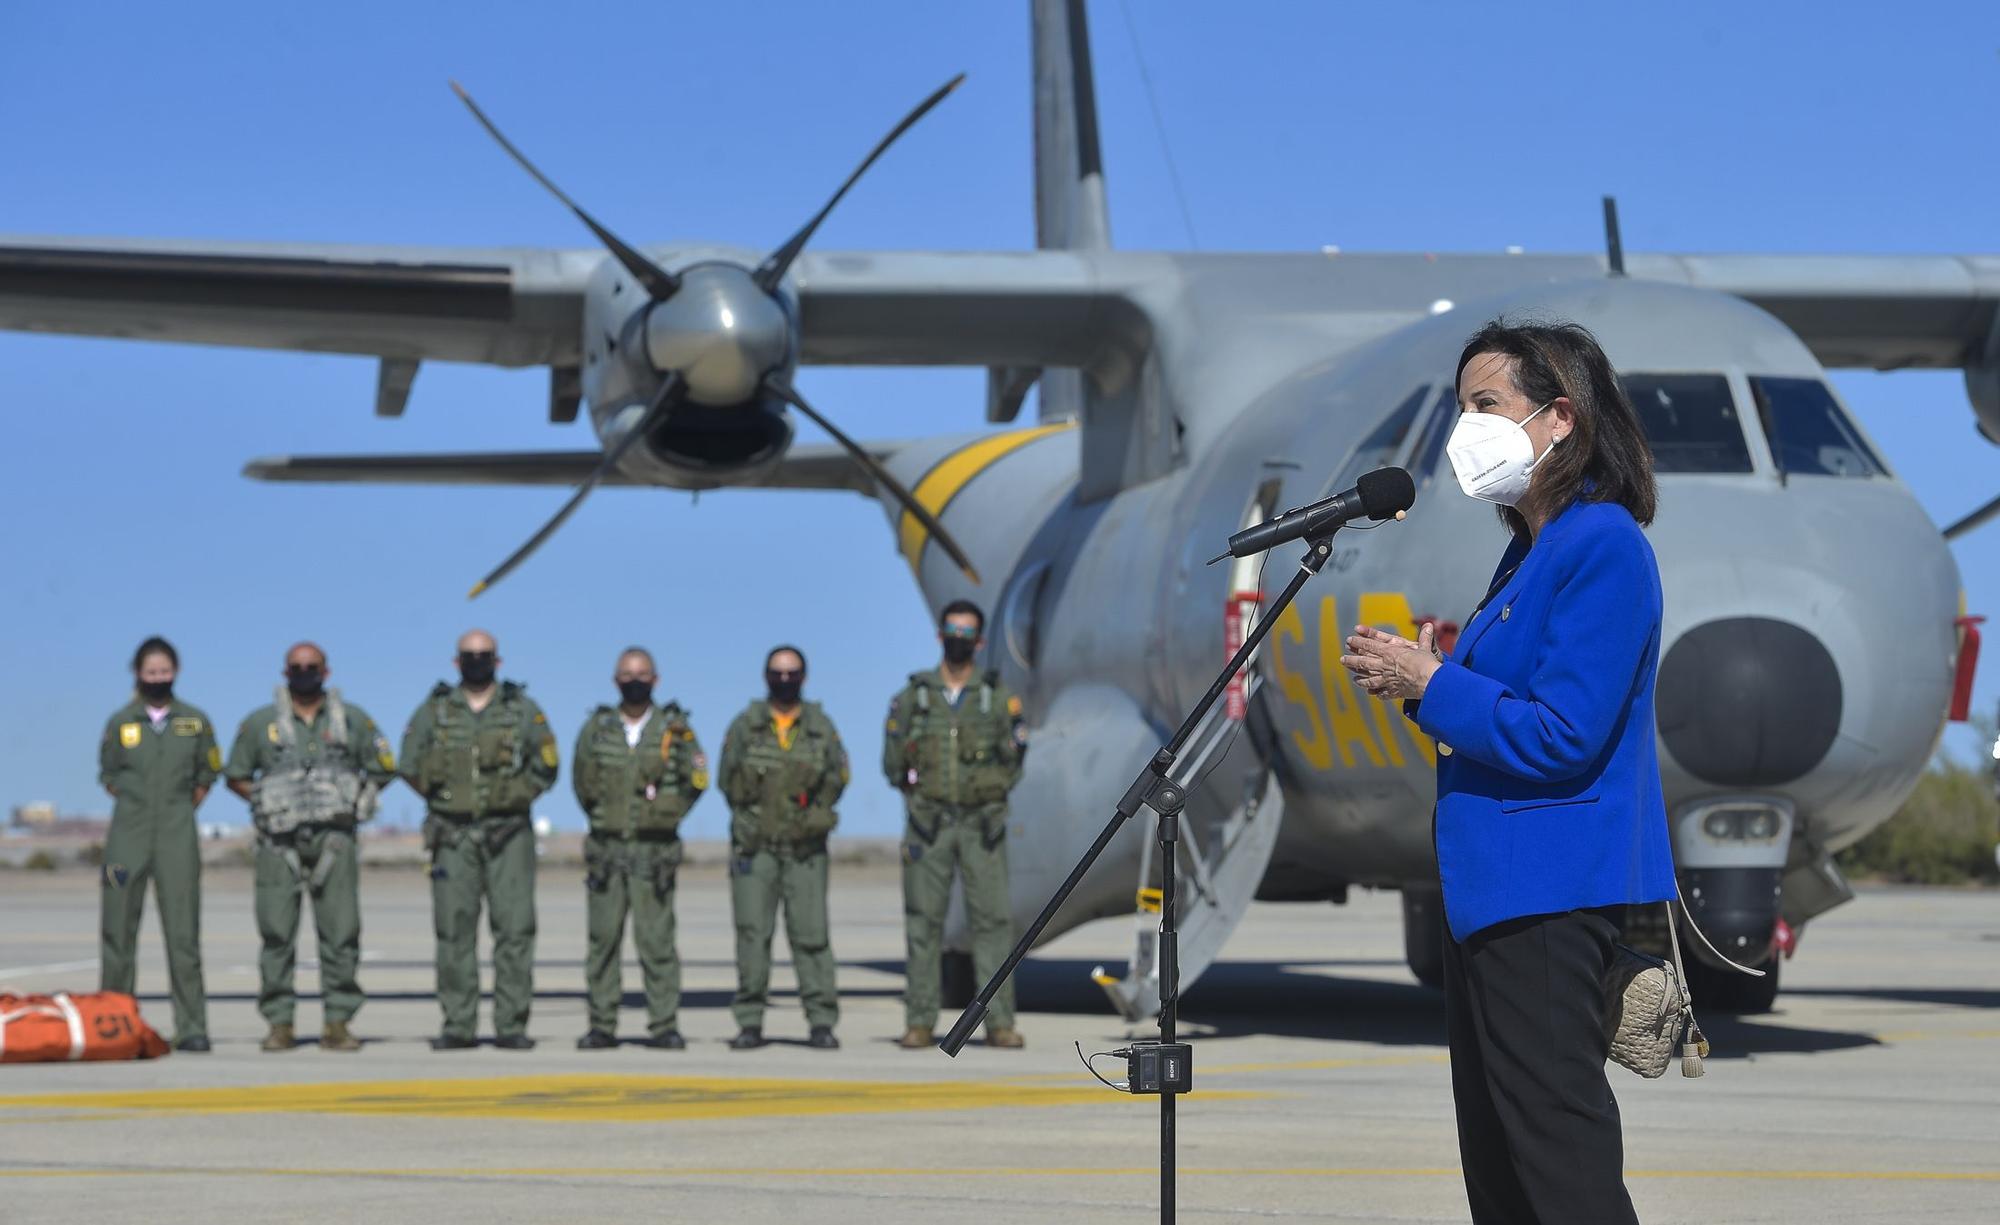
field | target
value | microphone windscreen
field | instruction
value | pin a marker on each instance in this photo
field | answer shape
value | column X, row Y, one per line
column 1385, row 492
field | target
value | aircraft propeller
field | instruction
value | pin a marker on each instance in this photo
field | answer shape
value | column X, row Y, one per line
column 680, row 383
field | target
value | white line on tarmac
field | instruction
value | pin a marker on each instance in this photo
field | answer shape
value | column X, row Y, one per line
column 54, row 967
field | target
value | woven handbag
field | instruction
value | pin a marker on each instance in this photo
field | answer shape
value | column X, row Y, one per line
column 1648, row 1009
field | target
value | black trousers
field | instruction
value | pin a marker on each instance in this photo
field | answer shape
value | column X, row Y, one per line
column 1538, row 1130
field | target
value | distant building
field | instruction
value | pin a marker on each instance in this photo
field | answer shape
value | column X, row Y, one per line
column 38, row 816
column 41, row 818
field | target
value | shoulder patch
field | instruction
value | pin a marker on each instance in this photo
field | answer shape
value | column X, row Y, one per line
column 549, row 757
column 129, row 735
column 1014, row 707
column 271, row 731
column 384, row 755
column 214, row 758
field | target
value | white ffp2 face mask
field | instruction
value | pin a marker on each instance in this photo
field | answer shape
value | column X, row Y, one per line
column 1493, row 456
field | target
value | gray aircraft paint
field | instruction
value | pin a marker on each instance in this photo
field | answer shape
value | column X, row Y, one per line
column 1194, row 379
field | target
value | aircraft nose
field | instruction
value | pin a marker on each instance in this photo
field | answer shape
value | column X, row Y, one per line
column 1748, row 701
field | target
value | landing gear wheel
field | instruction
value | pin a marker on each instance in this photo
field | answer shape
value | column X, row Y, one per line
column 1724, row 990
column 955, row 985
column 1423, row 935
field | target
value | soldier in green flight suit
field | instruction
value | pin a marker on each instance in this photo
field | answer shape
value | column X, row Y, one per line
column 480, row 752
column 312, row 767
column 158, row 759
column 783, row 768
column 638, row 770
column 954, row 745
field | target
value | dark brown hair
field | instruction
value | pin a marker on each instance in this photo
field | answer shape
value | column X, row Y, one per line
column 1606, row 457
column 155, row 645
column 962, row 608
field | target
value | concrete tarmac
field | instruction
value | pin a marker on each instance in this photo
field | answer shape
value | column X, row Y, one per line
column 1322, row 1090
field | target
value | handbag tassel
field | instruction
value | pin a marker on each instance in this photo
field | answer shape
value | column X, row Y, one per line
column 1694, row 1048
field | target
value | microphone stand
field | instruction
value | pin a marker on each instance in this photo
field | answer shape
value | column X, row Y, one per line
column 1152, row 789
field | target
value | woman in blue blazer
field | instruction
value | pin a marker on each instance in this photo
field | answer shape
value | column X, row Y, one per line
column 1549, row 819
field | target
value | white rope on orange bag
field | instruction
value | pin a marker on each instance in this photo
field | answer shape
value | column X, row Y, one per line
column 74, row 1019
column 22, row 1013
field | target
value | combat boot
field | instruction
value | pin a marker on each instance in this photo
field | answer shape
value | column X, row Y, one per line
column 748, row 1039
column 916, row 1038
column 281, row 1038
column 337, row 1037
column 822, row 1039
column 1008, row 1039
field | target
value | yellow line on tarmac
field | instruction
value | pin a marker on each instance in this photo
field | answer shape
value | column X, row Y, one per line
column 534, row 1172
column 1374, row 1061
column 618, row 1099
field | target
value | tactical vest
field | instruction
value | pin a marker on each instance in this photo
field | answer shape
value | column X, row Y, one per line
column 307, row 786
column 779, row 796
column 477, row 765
column 613, row 779
column 965, row 756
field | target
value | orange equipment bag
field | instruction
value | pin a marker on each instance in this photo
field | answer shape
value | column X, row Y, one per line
column 54, row 1028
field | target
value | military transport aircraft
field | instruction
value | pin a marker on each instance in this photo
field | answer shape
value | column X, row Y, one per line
column 1184, row 396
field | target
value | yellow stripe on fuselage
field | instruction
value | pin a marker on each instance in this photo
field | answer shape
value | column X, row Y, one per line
column 954, row 472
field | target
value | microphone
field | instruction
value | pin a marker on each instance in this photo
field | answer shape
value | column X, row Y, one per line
column 1382, row 494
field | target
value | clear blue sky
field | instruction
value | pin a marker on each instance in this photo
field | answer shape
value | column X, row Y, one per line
column 1447, row 127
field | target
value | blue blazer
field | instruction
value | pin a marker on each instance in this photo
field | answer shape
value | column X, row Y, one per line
column 1548, row 773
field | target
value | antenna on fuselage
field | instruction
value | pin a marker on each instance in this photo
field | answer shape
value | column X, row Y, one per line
column 1614, row 246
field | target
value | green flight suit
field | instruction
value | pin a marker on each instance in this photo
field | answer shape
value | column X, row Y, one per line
column 154, row 773
column 479, row 772
column 635, row 797
column 781, row 795
column 954, row 762
column 312, row 856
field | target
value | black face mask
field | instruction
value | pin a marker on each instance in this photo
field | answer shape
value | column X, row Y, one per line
column 958, row 651
column 636, row 693
column 305, row 682
column 784, row 687
column 156, row 693
column 476, row 667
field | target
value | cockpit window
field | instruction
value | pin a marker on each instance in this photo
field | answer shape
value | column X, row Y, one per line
column 1690, row 420
column 1382, row 443
column 1429, row 446
column 1809, row 435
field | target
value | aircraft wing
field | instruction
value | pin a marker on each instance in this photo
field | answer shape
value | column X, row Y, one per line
column 1884, row 312
column 811, row 466
column 502, row 307
column 524, row 307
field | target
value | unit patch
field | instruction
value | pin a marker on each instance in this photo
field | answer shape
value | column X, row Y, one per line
column 128, row 735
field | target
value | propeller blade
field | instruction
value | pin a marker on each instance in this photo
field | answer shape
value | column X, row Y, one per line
column 664, row 402
column 1977, row 518
column 874, row 469
column 660, row 284
column 773, row 268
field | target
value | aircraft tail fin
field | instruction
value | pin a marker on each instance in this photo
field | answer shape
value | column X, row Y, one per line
column 1070, row 209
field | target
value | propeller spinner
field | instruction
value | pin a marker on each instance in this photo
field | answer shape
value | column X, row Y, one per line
column 718, row 335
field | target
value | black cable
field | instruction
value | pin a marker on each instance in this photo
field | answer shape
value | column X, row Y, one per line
column 1159, row 125
column 1092, row 1069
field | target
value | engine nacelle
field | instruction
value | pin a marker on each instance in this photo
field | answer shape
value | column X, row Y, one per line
column 723, row 334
